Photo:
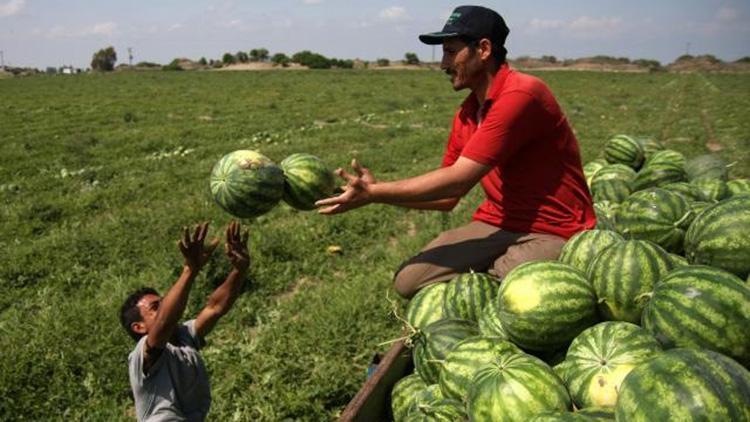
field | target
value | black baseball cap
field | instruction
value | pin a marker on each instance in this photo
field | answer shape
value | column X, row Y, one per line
column 474, row 22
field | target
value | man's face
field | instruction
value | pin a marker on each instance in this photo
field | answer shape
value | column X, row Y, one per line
column 148, row 307
column 461, row 61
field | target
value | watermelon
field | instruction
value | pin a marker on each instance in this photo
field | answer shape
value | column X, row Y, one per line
column 658, row 174
column 707, row 166
column 442, row 410
column 404, row 394
column 657, row 215
column 685, row 385
column 599, row 359
column 613, row 190
column 465, row 358
column 650, row 146
column 581, row 249
column 589, row 414
column 422, row 397
column 624, row 150
column 604, row 223
column 514, row 388
column 307, row 179
column 246, row 183
column 720, row 236
column 606, row 209
column 614, row 171
column 698, row 206
column 738, row 187
column 433, row 342
column 678, row 260
column 489, row 322
column 667, row 156
column 590, row 169
column 426, row 306
column 687, row 190
column 597, row 413
column 711, row 189
column 545, row 304
column 467, row 294
column 701, row 307
column 623, row 273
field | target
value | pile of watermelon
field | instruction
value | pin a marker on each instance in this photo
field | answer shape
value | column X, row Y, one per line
column 644, row 318
column 248, row 184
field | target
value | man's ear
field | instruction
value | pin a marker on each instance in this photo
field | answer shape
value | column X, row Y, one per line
column 485, row 49
column 138, row 327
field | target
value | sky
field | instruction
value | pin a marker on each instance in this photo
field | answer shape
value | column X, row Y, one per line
column 41, row 33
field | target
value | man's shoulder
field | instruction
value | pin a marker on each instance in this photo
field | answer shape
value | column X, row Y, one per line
column 523, row 82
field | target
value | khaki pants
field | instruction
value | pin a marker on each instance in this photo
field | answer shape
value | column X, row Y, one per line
column 476, row 246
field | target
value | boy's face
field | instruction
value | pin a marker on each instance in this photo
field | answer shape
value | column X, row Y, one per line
column 148, row 306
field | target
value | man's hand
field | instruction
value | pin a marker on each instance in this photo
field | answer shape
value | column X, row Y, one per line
column 192, row 247
column 356, row 192
column 236, row 247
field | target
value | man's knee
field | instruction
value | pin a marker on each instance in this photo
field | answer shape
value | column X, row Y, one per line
column 547, row 248
column 405, row 282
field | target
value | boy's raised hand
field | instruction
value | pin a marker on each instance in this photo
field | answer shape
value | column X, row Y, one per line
column 194, row 251
column 236, row 247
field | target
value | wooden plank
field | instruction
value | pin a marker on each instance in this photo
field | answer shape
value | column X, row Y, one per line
column 373, row 401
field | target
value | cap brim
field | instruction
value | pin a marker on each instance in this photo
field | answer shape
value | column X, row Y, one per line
column 434, row 38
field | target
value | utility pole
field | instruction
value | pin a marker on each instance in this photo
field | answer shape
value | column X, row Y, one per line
column 433, row 55
column 2, row 60
column 687, row 49
column 130, row 56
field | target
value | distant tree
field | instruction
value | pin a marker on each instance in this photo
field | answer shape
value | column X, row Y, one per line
column 173, row 65
column 411, row 58
column 312, row 60
column 147, row 64
column 549, row 59
column 280, row 59
column 383, row 62
column 745, row 59
column 684, row 57
column 202, row 61
column 709, row 58
column 259, row 54
column 104, row 60
column 242, row 57
column 228, row 58
column 652, row 65
column 342, row 64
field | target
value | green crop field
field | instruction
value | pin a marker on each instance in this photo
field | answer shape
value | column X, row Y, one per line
column 99, row 173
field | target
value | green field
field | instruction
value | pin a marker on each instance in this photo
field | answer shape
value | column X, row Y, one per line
column 99, row 173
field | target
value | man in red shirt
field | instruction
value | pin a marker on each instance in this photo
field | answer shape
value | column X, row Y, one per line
column 509, row 135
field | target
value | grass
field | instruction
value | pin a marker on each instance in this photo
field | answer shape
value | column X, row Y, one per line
column 100, row 172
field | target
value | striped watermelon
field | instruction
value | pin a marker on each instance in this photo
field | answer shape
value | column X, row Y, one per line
column 624, row 150
column 658, row 174
column 590, row 169
column 589, row 414
column 426, row 306
column 738, row 187
column 614, row 171
column 467, row 294
column 246, row 183
column 686, row 385
column 307, row 179
column 623, row 273
column 678, row 261
column 667, row 156
column 603, row 222
column 545, row 304
column 698, row 206
column 606, row 209
column 689, row 191
column 613, row 190
column 650, row 145
column 489, row 322
column 707, row 166
column 720, row 236
column 465, row 358
column 422, row 397
column 599, row 359
column 514, row 388
column 701, row 307
column 657, row 215
column 404, row 394
column 432, row 344
column 443, row 410
column 581, row 249
column 711, row 189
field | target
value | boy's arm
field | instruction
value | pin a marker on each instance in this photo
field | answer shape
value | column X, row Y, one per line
column 173, row 304
column 222, row 299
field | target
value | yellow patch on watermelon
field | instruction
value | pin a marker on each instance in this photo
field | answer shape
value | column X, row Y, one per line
column 522, row 296
column 605, row 385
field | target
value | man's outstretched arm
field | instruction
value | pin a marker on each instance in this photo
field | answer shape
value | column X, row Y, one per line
column 222, row 299
column 173, row 304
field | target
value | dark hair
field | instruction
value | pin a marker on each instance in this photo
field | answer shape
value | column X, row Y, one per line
column 129, row 312
column 499, row 53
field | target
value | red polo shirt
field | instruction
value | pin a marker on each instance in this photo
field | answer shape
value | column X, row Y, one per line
column 536, row 184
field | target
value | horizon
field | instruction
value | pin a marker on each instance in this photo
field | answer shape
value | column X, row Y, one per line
column 42, row 33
